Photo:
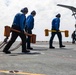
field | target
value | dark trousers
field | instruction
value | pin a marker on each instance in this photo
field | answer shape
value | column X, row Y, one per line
column 73, row 39
column 14, row 36
column 52, row 37
column 28, row 38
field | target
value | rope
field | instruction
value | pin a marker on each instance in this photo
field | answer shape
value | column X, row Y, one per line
column 4, row 42
column 16, row 47
column 2, row 45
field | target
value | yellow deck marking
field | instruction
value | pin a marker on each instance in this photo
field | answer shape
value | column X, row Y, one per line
column 24, row 73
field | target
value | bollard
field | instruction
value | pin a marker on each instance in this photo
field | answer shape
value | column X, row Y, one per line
column 46, row 32
column 7, row 31
column 33, row 38
column 66, row 33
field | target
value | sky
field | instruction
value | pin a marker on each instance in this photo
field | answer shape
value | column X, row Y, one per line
column 46, row 11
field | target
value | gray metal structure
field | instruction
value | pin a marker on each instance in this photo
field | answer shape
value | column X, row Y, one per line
column 73, row 9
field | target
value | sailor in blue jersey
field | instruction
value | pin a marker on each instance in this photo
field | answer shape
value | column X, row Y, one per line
column 73, row 36
column 55, row 26
column 19, row 23
column 29, row 27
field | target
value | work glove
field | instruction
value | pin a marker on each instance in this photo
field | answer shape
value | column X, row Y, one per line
column 57, row 30
column 22, row 32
